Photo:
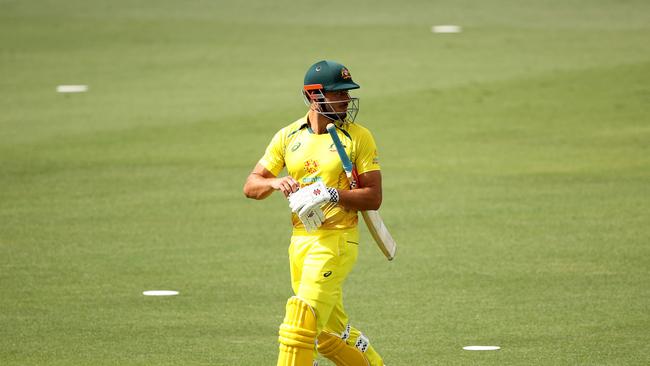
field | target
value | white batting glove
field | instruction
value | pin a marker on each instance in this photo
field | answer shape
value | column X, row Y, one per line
column 312, row 219
column 312, row 197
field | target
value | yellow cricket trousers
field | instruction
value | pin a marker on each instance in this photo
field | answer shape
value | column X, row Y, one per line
column 320, row 262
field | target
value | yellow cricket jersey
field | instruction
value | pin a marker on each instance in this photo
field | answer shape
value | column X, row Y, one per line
column 310, row 158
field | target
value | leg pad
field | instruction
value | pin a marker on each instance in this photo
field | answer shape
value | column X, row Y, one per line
column 297, row 334
column 339, row 352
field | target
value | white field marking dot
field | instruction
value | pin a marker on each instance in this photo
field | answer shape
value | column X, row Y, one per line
column 72, row 88
column 481, row 348
column 447, row 28
column 160, row 293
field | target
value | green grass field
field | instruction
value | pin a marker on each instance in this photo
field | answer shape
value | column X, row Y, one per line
column 515, row 155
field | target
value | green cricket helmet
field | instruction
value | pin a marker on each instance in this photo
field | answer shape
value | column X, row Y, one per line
column 329, row 76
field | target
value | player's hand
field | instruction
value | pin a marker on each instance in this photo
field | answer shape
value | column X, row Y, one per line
column 312, row 219
column 286, row 185
column 314, row 195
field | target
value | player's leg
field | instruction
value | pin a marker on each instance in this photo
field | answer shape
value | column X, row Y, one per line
column 349, row 349
column 314, row 276
column 361, row 342
column 297, row 253
column 333, row 347
column 319, row 266
column 297, row 334
column 323, row 272
column 347, row 346
column 339, row 342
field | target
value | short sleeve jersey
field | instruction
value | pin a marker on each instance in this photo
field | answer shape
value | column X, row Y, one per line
column 311, row 157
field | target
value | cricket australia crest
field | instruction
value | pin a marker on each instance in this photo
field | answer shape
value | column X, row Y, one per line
column 311, row 166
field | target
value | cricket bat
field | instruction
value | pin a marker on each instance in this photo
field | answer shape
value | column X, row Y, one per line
column 375, row 224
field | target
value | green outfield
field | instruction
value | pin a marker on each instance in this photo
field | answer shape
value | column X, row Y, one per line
column 515, row 156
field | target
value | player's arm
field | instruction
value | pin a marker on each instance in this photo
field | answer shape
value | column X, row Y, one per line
column 261, row 183
column 368, row 197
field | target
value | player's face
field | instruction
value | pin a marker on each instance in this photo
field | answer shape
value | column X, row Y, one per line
column 335, row 105
column 338, row 100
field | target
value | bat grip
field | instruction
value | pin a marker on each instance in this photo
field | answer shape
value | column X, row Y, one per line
column 353, row 182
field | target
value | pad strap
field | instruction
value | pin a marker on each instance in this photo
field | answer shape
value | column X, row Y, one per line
column 362, row 343
column 346, row 333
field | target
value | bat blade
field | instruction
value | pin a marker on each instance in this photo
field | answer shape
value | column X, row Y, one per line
column 380, row 233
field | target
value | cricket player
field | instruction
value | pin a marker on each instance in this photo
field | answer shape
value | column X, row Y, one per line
column 325, row 240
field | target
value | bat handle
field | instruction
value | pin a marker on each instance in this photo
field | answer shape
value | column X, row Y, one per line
column 353, row 182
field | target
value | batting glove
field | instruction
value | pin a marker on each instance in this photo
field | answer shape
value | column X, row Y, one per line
column 312, row 219
column 311, row 196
